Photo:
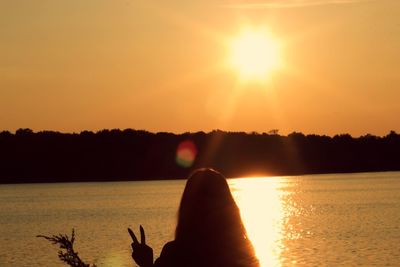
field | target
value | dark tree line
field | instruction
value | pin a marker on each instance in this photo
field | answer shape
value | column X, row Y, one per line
column 129, row 154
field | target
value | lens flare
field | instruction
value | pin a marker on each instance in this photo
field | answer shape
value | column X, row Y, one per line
column 186, row 154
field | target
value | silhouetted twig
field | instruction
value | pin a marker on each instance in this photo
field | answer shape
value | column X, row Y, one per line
column 69, row 256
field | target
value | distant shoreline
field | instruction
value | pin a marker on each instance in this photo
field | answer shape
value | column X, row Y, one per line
column 184, row 178
column 108, row 155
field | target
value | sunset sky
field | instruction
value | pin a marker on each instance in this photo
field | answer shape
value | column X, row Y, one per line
column 73, row 65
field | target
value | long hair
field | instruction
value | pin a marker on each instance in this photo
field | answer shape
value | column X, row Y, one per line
column 209, row 228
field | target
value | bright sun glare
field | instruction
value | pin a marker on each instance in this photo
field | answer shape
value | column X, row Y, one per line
column 262, row 213
column 254, row 54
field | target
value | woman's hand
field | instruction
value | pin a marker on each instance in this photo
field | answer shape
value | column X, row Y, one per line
column 141, row 253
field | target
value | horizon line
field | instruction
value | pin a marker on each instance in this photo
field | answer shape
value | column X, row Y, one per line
column 270, row 132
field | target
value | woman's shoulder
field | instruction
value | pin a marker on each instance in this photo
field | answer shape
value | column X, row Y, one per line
column 170, row 246
column 168, row 256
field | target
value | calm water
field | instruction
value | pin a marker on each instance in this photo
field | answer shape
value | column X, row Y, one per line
column 314, row 220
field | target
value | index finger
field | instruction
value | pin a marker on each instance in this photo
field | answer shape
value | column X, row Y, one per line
column 142, row 236
column 133, row 236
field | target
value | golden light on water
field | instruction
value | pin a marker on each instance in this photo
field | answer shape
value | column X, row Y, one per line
column 114, row 259
column 262, row 213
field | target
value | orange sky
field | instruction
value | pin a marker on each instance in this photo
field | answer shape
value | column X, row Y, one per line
column 70, row 65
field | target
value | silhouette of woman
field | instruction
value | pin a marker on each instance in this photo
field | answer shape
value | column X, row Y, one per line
column 209, row 232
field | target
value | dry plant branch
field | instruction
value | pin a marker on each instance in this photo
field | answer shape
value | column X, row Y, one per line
column 69, row 256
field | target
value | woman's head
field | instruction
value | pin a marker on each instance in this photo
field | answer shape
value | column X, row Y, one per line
column 209, row 218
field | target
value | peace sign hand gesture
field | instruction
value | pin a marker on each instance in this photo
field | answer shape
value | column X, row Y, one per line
column 141, row 253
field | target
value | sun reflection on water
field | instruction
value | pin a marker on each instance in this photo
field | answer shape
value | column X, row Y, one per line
column 262, row 211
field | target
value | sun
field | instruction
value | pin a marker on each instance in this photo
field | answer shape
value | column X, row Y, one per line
column 254, row 54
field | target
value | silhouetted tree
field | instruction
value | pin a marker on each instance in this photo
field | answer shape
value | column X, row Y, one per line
column 129, row 154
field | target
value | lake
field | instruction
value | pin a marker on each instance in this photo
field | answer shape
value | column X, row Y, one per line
column 310, row 220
